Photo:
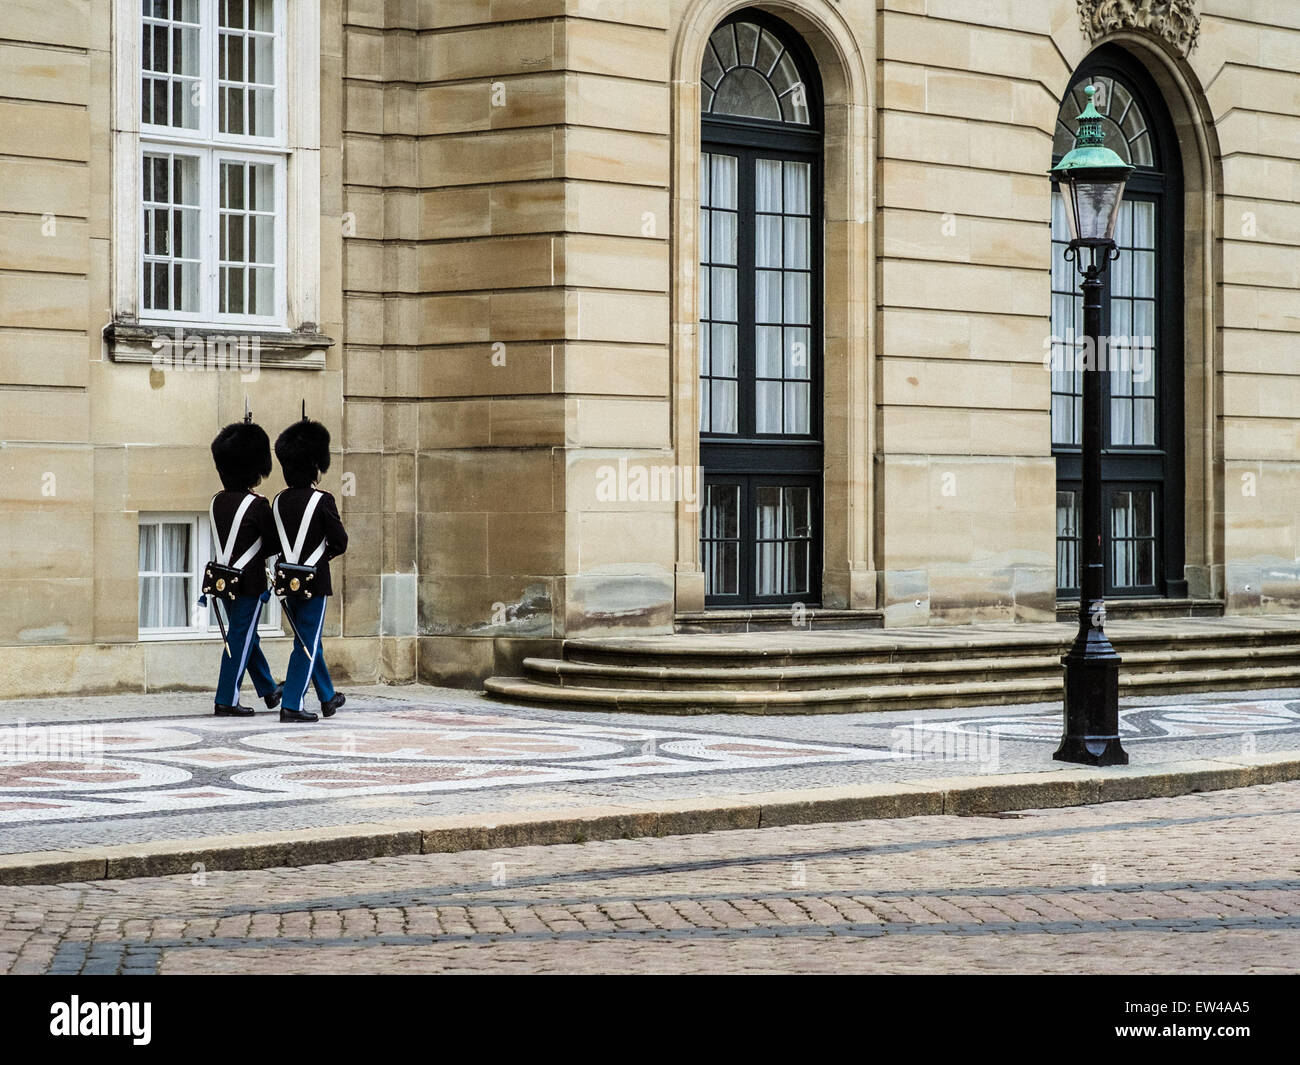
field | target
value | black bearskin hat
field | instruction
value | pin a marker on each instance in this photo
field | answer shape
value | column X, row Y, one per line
column 242, row 452
column 304, row 452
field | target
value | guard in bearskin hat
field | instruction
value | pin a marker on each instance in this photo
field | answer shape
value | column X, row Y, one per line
column 243, row 536
column 310, row 533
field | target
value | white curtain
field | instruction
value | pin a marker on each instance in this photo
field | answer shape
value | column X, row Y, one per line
column 166, row 581
column 769, row 556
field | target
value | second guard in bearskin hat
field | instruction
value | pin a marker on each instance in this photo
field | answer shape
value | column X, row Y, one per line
column 310, row 533
column 243, row 536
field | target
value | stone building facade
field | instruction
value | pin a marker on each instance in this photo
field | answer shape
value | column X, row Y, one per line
column 467, row 235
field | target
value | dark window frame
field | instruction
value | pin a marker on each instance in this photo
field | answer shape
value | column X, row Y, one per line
column 747, row 458
column 1160, row 466
column 748, row 484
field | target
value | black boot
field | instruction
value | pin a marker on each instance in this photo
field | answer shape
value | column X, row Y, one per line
column 273, row 700
column 329, row 707
column 297, row 715
column 232, row 711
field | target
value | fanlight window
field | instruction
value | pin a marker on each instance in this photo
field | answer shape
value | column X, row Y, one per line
column 748, row 73
column 1127, row 131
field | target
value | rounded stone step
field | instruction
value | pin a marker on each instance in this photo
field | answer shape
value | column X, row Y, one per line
column 1211, row 680
column 857, row 698
column 764, row 677
column 850, row 699
column 919, row 645
column 1218, row 658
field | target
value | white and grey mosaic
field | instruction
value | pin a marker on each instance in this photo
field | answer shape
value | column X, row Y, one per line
column 162, row 767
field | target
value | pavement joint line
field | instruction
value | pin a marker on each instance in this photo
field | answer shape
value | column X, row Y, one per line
column 73, row 957
column 970, row 795
column 473, row 896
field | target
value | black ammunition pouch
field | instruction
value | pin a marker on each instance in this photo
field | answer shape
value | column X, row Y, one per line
column 221, row 582
column 290, row 581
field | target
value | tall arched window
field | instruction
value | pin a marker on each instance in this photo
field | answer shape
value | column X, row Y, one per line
column 760, row 327
column 1142, row 405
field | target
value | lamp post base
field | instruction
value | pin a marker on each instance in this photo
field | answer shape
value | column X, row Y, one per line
column 1092, row 704
column 1091, row 750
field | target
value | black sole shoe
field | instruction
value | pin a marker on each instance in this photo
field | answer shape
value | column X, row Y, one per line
column 273, row 700
column 329, row 708
column 231, row 711
column 298, row 715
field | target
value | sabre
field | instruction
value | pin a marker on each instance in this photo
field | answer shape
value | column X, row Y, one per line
column 284, row 610
column 220, row 625
column 289, row 618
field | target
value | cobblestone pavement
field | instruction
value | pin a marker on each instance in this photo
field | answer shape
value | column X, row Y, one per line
column 1201, row 883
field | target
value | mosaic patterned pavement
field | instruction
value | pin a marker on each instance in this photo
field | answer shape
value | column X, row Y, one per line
column 74, row 780
column 126, row 768
column 1138, row 723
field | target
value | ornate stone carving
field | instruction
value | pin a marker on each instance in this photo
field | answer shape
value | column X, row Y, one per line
column 1174, row 21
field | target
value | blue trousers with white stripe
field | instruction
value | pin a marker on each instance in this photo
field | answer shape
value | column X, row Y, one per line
column 307, row 663
column 245, row 651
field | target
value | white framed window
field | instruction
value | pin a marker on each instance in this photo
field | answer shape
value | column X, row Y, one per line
column 213, row 154
column 228, row 52
column 216, row 179
column 174, row 548
column 169, row 552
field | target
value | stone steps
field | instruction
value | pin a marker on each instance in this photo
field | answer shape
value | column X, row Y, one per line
column 850, row 671
column 780, row 678
column 810, row 677
column 846, row 700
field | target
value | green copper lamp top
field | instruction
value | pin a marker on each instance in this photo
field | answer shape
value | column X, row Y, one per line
column 1090, row 152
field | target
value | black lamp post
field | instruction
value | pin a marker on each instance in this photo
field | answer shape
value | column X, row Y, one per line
column 1092, row 178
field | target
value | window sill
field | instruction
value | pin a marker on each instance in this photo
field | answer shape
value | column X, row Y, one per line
column 224, row 347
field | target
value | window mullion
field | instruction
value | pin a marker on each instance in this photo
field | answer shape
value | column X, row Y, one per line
column 280, row 77
column 282, row 240
column 207, row 67
column 202, row 552
column 155, row 606
column 195, row 576
column 746, row 222
column 142, row 229
column 206, row 244
column 212, row 200
column 246, row 283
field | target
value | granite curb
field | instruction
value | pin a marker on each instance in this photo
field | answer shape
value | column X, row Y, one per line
column 961, row 796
